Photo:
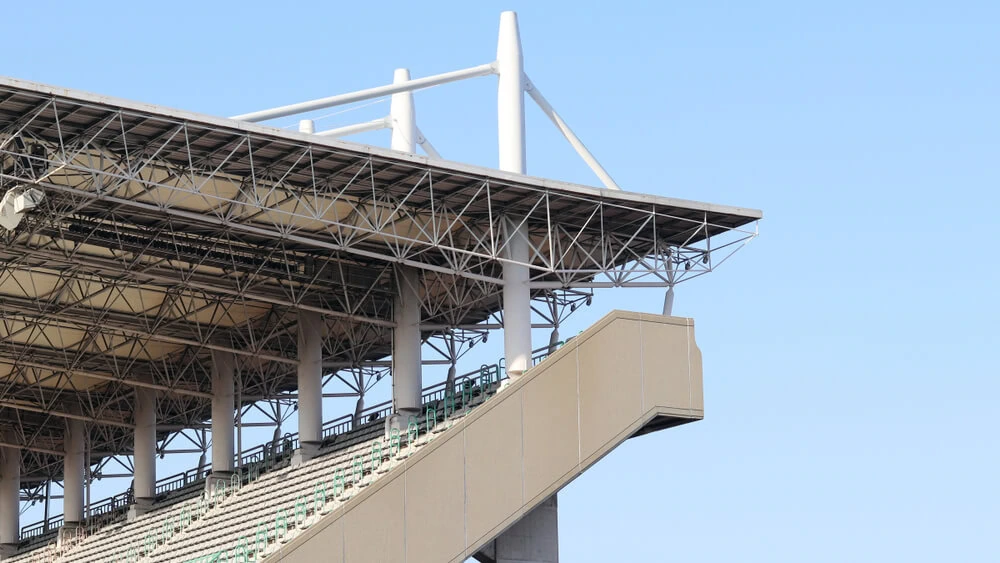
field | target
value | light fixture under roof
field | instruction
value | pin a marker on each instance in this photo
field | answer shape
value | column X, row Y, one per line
column 15, row 203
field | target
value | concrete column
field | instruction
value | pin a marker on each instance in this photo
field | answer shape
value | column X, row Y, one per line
column 403, row 116
column 406, row 369
column 10, row 491
column 532, row 539
column 510, row 126
column 510, row 95
column 517, row 304
column 223, row 409
column 144, row 447
column 310, row 339
column 73, row 472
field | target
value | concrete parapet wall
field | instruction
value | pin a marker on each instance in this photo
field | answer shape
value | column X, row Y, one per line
column 627, row 373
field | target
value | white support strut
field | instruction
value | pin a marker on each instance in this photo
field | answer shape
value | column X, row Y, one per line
column 426, row 145
column 361, row 95
column 373, row 125
column 578, row 145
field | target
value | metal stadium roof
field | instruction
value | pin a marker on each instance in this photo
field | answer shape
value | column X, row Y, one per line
column 164, row 235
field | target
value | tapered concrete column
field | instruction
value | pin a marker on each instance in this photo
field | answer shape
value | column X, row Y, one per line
column 510, row 126
column 73, row 472
column 223, row 409
column 532, row 539
column 10, row 490
column 310, row 340
column 144, row 447
column 358, row 407
column 406, row 369
column 510, row 95
column 403, row 116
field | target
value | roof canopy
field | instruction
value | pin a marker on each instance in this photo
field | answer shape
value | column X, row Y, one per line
column 164, row 235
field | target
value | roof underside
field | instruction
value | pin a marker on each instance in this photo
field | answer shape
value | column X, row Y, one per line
column 165, row 235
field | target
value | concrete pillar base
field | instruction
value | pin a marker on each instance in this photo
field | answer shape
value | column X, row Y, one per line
column 7, row 550
column 306, row 451
column 70, row 533
column 140, row 507
column 217, row 479
column 532, row 539
column 401, row 421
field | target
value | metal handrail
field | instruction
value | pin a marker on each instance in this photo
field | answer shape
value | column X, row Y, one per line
column 262, row 453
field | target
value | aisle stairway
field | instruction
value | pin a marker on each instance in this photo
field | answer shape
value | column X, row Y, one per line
column 629, row 374
column 445, row 485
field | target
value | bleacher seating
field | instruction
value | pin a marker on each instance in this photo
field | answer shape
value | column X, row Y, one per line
column 268, row 503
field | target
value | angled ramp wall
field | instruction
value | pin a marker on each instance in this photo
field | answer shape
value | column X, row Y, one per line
column 628, row 374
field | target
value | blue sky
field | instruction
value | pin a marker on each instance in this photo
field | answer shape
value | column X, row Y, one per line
column 850, row 381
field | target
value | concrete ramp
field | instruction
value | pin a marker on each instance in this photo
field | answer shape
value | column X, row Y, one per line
column 629, row 374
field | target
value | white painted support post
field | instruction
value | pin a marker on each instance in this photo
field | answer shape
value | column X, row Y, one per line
column 144, row 448
column 307, row 126
column 10, row 504
column 510, row 95
column 73, row 471
column 406, row 363
column 510, row 126
column 406, row 369
column 223, row 409
column 403, row 116
column 310, row 372
column 517, row 302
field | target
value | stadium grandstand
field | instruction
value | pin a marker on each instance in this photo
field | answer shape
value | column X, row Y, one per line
column 164, row 273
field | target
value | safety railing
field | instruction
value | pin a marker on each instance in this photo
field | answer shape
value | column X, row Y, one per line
column 261, row 458
column 181, row 480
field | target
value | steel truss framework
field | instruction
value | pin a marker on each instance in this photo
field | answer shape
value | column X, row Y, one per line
column 165, row 235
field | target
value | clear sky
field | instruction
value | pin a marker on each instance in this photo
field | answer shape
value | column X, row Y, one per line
column 850, row 377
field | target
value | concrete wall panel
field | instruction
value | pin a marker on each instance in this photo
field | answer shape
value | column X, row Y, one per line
column 373, row 529
column 666, row 373
column 435, row 502
column 327, row 545
column 479, row 478
column 551, row 447
column 493, row 483
column 610, row 383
